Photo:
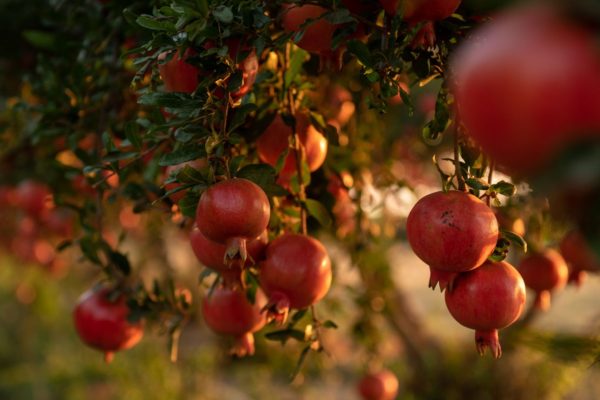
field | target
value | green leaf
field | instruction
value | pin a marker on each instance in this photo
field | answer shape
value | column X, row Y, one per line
column 319, row 212
column 223, row 14
column 187, row 153
column 295, row 65
column 41, row 39
column 189, row 203
column 361, row 51
column 189, row 174
column 152, row 23
column 300, row 362
column 132, row 133
column 339, row 16
column 330, row 324
column 478, row 184
column 505, row 188
column 120, row 261
column 264, row 176
column 515, row 239
column 284, row 335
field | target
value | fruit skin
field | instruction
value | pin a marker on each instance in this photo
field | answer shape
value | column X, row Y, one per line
column 416, row 11
column 227, row 311
column 486, row 299
column 318, row 35
column 544, row 272
column 177, row 74
column 275, row 140
column 296, row 273
column 232, row 212
column 579, row 257
column 452, row 232
column 212, row 254
column 103, row 324
column 382, row 385
column 526, row 84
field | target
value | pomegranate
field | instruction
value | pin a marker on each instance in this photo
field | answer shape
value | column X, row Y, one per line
column 276, row 138
column 360, row 7
column 452, row 232
column 296, row 273
column 102, row 323
column 544, row 272
column 180, row 76
column 318, row 35
column 228, row 312
column 526, row 84
column 212, row 254
column 33, row 197
column 579, row 257
column 177, row 74
column 416, row 11
column 232, row 212
column 487, row 299
column 382, row 385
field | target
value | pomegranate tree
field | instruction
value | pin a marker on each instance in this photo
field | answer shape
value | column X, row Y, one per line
column 382, row 385
column 526, row 84
column 544, row 273
column 227, row 311
column 487, row 299
column 233, row 212
column 452, row 232
column 296, row 273
column 101, row 322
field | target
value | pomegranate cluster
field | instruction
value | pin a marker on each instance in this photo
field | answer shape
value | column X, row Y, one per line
column 454, row 233
column 230, row 237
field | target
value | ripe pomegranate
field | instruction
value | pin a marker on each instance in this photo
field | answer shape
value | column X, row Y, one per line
column 486, row 299
column 212, row 254
column 180, row 76
column 340, row 106
column 579, row 257
column 382, row 385
column 102, row 323
column 177, row 74
column 33, row 197
column 296, row 273
column 233, row 212
column 526, row 84
column 416, row 11
column 544, row 272
column 318, row 35
column 228, row 312
column 276, row 138
column 452, row 232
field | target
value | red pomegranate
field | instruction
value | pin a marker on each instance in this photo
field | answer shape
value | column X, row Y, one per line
column 382, row 385
column 486, row 299
column 33, row 197
column 248, row 66
column 526, row 84
column 544, row 272
column 416, row 11
column 276, row 138
column 318, row 35
column 228, row 312
column 296, row 273
column 102, row 323
column 579, row 257
column 452, row 232
column 233, row 212
column 212, row 254
column 177, row 74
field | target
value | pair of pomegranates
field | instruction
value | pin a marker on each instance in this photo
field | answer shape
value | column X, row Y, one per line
column 454, row 233
column 294, row 269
